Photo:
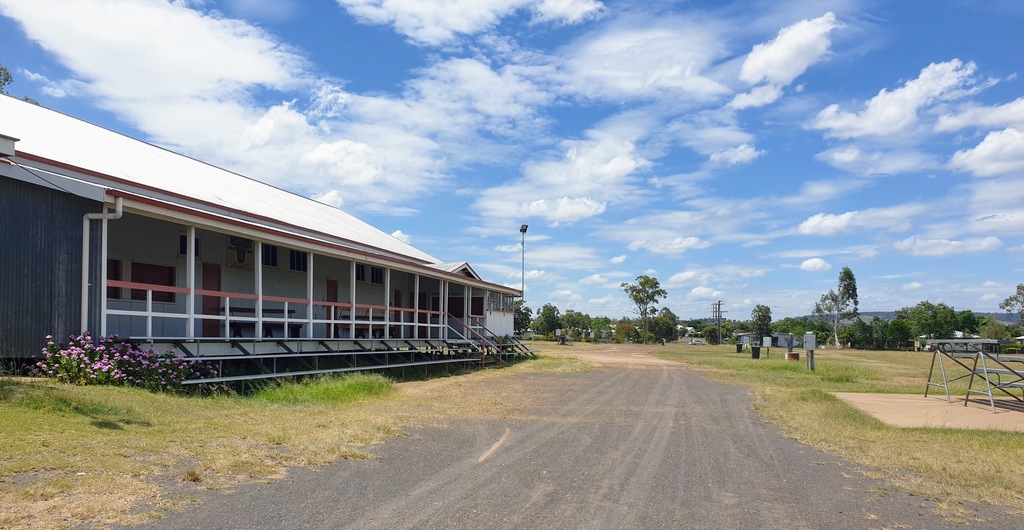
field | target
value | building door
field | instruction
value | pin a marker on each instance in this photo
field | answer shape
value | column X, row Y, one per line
column 457, row 306
column 211, row 304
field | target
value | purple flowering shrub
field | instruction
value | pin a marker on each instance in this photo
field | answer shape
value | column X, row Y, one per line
column 112, row 361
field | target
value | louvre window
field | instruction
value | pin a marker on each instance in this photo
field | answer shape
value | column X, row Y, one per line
column 269, row 256
column 297, row 261
column 153, row 275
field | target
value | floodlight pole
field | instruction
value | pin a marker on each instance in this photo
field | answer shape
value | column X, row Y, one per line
column 522, row 231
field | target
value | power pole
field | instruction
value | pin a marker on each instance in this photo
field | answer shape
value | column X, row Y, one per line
column 716, row 317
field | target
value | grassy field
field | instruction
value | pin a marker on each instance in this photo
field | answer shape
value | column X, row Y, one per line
column 102, row 454
column 114, row 454
column 947, row 465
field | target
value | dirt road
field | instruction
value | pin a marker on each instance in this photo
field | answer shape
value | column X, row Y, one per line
column 639, row 443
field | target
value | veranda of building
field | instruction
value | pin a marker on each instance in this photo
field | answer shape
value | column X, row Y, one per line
column 116, row 236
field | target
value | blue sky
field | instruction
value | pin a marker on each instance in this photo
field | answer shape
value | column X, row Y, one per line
column 742, row 152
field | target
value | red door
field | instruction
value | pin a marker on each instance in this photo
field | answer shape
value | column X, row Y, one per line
column 211, row 304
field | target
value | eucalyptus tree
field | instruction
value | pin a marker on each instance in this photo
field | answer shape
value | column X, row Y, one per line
column 1015, row 302
column 645, row 294
column 838, row 304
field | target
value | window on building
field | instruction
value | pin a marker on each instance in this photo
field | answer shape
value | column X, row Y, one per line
column 269, row 255
column 153, row 275
column 360, row 272
column 183, row 245
column 114, row 273
column 501, row 302
column 297, row 261
column 377, row 275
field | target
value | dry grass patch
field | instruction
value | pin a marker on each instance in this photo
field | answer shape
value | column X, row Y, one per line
column 950, row 466
column 97, row 455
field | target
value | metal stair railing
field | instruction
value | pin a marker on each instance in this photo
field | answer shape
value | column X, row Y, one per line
column 515, row 344
column 485, row 343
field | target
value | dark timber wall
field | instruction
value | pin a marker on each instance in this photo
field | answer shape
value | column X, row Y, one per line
column 40, row 265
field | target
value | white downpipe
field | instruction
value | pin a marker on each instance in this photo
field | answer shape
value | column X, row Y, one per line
column 416, row 307
column 190, row 273
column 309, row 292
column 387, row 303
column 116, row 214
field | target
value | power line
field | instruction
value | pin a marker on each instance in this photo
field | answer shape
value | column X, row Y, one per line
column 716, row 317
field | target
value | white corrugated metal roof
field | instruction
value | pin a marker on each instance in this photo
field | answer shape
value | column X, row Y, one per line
column 457, row 267
column 61, row 138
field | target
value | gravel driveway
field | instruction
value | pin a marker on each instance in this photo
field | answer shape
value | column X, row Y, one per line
column 639, row 443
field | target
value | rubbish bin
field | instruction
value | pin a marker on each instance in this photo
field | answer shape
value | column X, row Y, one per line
column 739, row 347
column 755, row 352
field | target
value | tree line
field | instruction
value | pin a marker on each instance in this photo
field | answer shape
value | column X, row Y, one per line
column 652, row 324
column 835, row 319
column 836, row 316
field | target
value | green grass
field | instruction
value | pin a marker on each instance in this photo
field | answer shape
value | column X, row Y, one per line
column 336, row 390
column 951, row 466
column 63, row 445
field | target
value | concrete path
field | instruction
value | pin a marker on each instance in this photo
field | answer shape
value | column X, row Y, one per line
column 904, row 410
column 641, row 444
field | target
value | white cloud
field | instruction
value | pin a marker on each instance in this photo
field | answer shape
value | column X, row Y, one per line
column 56, row 89
column 644, row 59
column 591, row 175
column 697, row 276
column 564, row 209
column 565, row 256
column 1007, row 115
column 674, row 232
column 894, row 112
column 1000, row 153
column 818, row 191
column 858, row 161
column 432, row 22
column 199, row 56
column 757, row 97
column 567, row 11
column 332, row 198
column 827, row 224
column 566, row 298
column 893, row 219
column 796, row 48
column 704, row 292
column 401, row 236
column 437, row 22
column 742, row 154
column 676, row 245
column 815, row 265
column 778, row 62
column 912, row 286
column 619, row 259
column 919, row 246
column 719, row 142
column 688, row 277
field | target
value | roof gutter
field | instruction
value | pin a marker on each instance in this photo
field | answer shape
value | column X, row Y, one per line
column 116, row 214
